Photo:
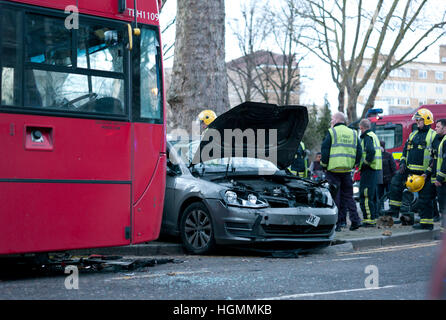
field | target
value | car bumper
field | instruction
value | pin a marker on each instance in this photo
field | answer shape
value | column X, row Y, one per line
column 234, row 225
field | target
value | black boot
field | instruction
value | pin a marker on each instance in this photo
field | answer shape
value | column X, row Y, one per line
column 425, row 226
column 391, row 212
column 407, row 220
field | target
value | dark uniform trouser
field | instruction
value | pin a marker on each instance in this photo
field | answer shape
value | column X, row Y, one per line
column 424, row 204
column 441, row 193
column 344, row 198
column 434, row 201
column 367, row 195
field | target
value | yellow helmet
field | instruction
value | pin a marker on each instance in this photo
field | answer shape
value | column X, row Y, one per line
column 415, row 183
column 207, row 116
column 425, row 114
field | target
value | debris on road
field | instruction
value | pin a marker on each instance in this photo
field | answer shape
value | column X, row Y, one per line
column 385, row 221
column 55, row 264
column 387, row 233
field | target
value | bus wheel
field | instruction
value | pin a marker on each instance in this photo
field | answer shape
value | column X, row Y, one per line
column 196, row 229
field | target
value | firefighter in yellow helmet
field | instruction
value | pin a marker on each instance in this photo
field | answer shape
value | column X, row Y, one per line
column 206, row 117
column 415, row 161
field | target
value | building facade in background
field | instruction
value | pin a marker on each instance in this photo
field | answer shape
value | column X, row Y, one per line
column 264, row 76
column 408, row 87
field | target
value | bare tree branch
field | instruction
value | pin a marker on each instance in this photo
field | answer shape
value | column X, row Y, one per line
column 389, row 26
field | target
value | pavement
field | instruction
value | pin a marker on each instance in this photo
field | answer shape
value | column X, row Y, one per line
column 345, row 240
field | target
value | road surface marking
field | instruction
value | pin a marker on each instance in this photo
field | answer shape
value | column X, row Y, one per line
column 390, row 249
column 348, row 259
column 312, row 294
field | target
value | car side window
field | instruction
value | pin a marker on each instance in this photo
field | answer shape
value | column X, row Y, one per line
column 172, row 166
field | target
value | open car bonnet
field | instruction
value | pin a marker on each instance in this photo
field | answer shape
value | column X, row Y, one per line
column 254, row 129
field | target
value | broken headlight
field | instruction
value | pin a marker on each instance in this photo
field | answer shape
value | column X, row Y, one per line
column 242, row 199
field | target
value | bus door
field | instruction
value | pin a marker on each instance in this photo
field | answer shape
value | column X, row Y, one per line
column 65, row 132
column 149, row 148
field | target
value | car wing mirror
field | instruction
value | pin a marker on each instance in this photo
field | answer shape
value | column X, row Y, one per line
column 170, row 172
column 172, row 169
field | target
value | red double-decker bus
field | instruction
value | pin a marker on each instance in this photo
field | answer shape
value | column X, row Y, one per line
column 82, row 130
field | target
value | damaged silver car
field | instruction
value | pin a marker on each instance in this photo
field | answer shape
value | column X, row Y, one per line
column 239, row 194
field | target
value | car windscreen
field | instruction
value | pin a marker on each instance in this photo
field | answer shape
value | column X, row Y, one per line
column 186, row 149
column 236, row 164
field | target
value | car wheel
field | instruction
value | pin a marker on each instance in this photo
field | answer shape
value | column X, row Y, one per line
column 197, row 232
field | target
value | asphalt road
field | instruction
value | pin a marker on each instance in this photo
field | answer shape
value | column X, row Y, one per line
column 389, row 273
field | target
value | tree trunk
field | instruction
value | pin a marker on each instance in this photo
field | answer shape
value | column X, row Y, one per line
column 351, row 106
column 199, row 78
column 341, row 100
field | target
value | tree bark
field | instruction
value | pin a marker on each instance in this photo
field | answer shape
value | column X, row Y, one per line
column 199, row 79
column 351, row 106
column 341, row 100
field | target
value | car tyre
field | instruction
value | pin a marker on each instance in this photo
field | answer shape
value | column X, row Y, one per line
column 196, row 229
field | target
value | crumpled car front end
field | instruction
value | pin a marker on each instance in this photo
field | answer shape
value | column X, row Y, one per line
column 273, row 209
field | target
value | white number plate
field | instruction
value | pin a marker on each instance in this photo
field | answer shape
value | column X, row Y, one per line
column 313, row 220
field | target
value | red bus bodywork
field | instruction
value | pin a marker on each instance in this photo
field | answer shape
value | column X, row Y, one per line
column 94, row 181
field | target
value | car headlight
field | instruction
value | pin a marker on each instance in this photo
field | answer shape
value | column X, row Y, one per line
column 355, row 189
column 241, row 199
column 231, row 197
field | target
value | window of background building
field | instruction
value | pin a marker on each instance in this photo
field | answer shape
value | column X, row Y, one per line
column 403, row 101
column 422, row 89
column 439, row 75
column 388, row 85
column 403, row 87
column 439, row 90
column 401, row 73
column 404, row 73
column 422, row 74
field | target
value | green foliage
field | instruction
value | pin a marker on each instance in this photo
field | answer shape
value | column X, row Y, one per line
column 324, row 120
column 311, row 138
column 318, row 124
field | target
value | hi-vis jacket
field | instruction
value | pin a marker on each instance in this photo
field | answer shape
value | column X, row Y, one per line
column 341, row 149
column 371, row 151
column 441, row 163
column 417, row 150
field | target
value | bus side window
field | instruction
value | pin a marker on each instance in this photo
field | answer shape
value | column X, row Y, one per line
column 47, row 41
column 10, row 77
column 148, row 95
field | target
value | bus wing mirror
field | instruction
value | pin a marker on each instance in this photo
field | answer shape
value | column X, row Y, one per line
column 170, row 172
column 130, row 33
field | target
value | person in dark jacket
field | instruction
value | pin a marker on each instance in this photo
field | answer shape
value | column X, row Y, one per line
column 315, row 168
column 341, row 151
column 299, row 166
column 389, row 170
column 439, row 169
column 371, row 164
column 415, row 161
